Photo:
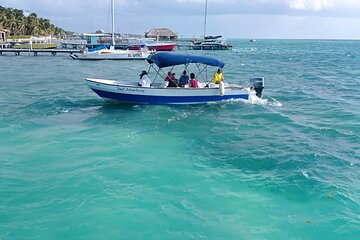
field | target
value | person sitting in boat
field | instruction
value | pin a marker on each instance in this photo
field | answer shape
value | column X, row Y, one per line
column 173, row 77
column 144, row 79
column 171, row 82
column 168, row 77
column 218, row 76
column 193, row 83
column 184, row 79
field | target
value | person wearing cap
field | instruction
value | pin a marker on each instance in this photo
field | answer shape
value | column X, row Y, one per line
column 218, row 76
column 144, row 79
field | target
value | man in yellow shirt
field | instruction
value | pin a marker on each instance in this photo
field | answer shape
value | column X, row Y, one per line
column 218, row 76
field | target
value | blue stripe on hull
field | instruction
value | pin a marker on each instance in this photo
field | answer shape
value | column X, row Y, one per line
column 165, row 100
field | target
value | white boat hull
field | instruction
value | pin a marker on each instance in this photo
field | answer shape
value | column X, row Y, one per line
column 131, row 93
column 112, row 55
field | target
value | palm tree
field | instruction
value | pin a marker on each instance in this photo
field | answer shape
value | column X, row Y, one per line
column 17, row 23
column 11, row 22
column 20, row 21
column 21, row 25
column 32, row 27
column 2, row 16
column 45, row 26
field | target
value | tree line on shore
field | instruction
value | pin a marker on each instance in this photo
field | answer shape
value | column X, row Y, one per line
column 20, row 24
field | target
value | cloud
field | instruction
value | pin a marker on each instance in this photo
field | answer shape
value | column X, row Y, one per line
column 315, row 5
column 79, row 8
column 187, row 16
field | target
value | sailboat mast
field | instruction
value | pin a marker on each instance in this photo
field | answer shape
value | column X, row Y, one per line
column 113, row 22
column 205, row 19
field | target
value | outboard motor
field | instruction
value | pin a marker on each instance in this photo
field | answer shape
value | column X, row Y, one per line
column 258, row 85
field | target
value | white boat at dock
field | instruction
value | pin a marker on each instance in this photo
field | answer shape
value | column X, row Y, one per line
column 112, row 53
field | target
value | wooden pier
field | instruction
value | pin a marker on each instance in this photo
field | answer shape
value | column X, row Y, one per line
column 202, row 47
column 35, row 52
column 55, row 51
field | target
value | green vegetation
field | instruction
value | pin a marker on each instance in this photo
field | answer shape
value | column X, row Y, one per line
column 19, row 24
column 19, row 37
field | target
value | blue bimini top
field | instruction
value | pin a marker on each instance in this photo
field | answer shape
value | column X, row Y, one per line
column 165, row 59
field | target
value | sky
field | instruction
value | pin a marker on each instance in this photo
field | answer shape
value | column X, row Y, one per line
column 281, row 19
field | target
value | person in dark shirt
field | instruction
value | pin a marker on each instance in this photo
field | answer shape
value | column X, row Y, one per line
column 184, row 79
column 173, row 77
column 170, row 78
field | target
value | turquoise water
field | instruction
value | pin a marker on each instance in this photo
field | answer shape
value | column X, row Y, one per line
column 75, row 167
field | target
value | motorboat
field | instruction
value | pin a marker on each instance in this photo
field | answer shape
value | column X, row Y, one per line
column 151, row 45
column 129, row 91
column 160, row 46
column 211, row 44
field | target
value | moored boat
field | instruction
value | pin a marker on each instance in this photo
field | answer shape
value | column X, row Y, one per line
column 129, row 91
column 210, row 42
column 155, row 46
column 160, row 46
column 112, row 53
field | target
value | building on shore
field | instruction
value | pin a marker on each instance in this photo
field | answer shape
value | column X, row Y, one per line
column 4, row 33
column 161, row 34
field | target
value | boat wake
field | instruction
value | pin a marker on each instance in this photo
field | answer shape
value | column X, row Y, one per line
column 263, row 101
column 259, row 101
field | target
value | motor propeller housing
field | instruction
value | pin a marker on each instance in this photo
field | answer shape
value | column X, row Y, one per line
column 258, row 85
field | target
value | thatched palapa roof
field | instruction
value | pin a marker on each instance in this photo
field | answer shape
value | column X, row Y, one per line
column 4, row 30
column 162, row 33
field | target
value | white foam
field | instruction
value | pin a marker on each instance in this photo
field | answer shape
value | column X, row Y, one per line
column 305, row 174
column 260, row 101
column 178, row 117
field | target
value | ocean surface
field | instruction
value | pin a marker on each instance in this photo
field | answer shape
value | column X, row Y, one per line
column 73, row 166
